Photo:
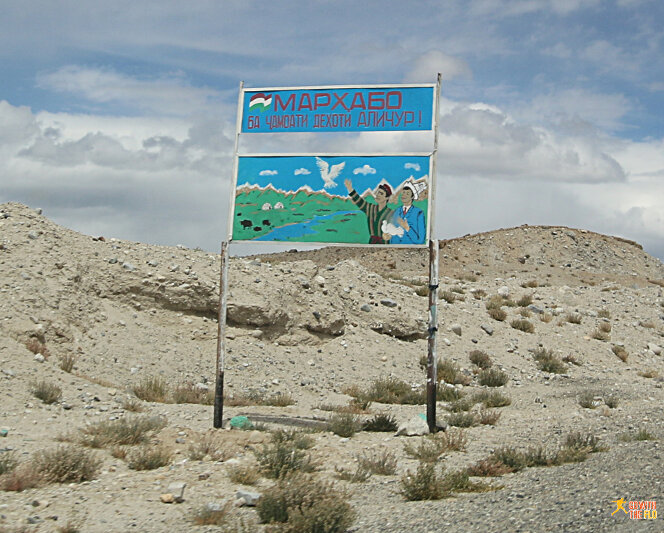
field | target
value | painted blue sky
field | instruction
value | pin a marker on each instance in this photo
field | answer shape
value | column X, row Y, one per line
column 118, row 118
column 292, row 172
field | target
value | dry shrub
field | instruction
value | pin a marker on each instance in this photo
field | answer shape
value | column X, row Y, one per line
column 546, row 317
column 381, row 423
column 344, row 424
column 279, row 399
column 649, row 373
column 278, row 459
column 488, row 417
column 46, row 391
column 488, row 467
column 67, row 362
column 212, row 515
column 640, row 435
column 66, row 464
column 573, row 318
column 604, row 313
column 149, row 457
column 208, row 446
column 571, row 359
column 462, row 420
column 497, row 314
column 603, row 332
column 531, row 284
column 22, row 477
column 359, row 475
column 492, row 398
column 588, row 400
column 620, row 353
column 190, row 393
column 448, row 296
column 122, row 431
column 548, row 362
column 299, row 439
column 428, row 450
column 132, row 404
column 453, row 439
column 525, row 300
column 523, row 325
column 244, row 474
column 480, row 359
column 151, row 389
column 36, row 346
column 492, row 377
column 301, row 503
column 425, row 484
column 382, row 463
column 449, row 372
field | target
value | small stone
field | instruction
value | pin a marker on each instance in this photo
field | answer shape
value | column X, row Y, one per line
column 456, row 328
column 487, row 329
column 167, row 498
column 203, row 476
column 504, row 291
column 177, row 490
column 388, row 302
column 128, row 266
column 39, row 358
column 415, row 426
column 366, row 308
column 250, row 498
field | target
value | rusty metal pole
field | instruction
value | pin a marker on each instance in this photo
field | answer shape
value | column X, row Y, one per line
column 432, row 364
column 221, row 339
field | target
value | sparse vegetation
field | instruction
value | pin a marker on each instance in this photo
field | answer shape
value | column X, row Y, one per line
column 190, row 393
column 604, row 313
column 8, row 462
column 492, row 398
column 383, row 463
column 425, row 484
column 547, row 362
column 649, row 373
column 148, row 457
column 498, row 314
column 381, row 422
column 344, row 424
column 602, row 333
column 208, row 446
column 545, row 317
column 66, row 362
column 303, row 503
column 122, row 431
column 280, row 458
column 525, row 300
column 492, row 377
column 620, row 353
column 462, row 420
column 46, row 391
column 523, row 325
column 480, row 359
column 640, row 435
column 428, row 450
column 488, row 417
column 573, row 318
column 243, row 473
column 36, row 346
column 66, row 464
column 588, row 400
column 151, row 389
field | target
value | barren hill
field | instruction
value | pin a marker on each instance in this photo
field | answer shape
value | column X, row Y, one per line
column 311, row 326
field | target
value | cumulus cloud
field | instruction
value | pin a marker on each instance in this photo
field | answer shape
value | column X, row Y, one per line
column 268, row 173
column 169, row 94
column 413, row 166
column 301, row 171
column 364, row 170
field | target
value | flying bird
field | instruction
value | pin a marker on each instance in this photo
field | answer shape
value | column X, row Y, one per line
column 391, row 229
column 328, row 174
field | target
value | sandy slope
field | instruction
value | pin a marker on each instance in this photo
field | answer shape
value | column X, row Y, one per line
column 311, row 324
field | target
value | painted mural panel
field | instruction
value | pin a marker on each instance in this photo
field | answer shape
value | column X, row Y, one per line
column 379, row 108
column 333, row 199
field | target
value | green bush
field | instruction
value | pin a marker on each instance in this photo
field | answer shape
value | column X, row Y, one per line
column 480, row 359
column 381, row 423
column 344, row 424
column 492, row 398
column 547, row 362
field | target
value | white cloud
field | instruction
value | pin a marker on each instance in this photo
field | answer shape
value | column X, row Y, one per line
column 169, row 95
column 364, row 170
column 414, row 166
column 268, row 173
column 301, row 171
column 426, row 66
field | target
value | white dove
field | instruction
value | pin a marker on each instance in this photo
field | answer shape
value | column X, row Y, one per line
column 328, row 174
column 391, row 229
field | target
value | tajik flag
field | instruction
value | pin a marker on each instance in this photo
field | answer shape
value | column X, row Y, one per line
column 260, row 101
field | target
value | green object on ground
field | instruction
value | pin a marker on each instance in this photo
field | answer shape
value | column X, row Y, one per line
column 241, row 422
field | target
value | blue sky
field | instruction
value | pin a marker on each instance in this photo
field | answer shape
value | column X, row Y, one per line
column 118, row 118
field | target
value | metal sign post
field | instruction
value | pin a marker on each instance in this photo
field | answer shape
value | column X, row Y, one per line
column 221, row 339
